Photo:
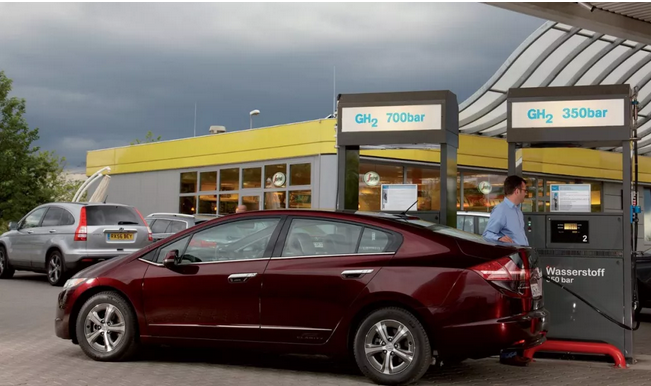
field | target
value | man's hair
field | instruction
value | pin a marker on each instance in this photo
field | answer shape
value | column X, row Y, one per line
column 511, row 183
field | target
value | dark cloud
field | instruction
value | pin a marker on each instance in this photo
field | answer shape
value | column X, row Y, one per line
column 99, row 75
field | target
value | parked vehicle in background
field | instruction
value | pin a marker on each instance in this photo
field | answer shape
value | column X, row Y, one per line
column 390, row 291
column 62, row 238
column 472, row 222
column 166, row 224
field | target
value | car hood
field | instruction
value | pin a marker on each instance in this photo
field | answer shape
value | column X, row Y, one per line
column 101, row 268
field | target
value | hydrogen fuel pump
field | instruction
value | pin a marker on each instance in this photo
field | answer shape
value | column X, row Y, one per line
column 586, row 257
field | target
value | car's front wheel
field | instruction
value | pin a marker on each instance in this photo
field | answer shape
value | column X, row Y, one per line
column 6, row 271
column 107, row 328
column 391, row 347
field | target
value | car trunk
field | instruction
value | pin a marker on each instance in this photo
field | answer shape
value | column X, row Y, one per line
column 116, row 228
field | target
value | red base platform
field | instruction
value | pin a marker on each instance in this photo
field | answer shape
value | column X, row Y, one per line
column 579, row 348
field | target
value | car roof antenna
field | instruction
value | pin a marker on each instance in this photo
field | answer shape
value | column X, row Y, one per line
column 407, row 210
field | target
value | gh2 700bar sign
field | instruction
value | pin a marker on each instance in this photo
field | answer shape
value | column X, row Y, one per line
column 391, row 118
column 584, row 113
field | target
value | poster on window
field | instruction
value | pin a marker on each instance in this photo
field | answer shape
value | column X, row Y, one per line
column 570, row 198
column 399, row 197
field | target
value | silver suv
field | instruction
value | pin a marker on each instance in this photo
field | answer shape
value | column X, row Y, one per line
column 164, row 225
column 62, row 238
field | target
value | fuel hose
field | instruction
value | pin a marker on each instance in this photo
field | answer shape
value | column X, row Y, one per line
column 600, row 312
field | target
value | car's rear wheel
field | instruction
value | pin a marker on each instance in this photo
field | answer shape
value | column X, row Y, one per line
column 6, row 271
column 107, row 328
column 391, row 347
column 55, row 268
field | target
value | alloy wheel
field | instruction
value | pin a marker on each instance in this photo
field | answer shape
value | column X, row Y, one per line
column 104, row 327
column 54, row 268
column 389, row 347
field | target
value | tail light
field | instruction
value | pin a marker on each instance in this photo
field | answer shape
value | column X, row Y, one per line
column 150, row 237
column 510, row 273
column 81, row 234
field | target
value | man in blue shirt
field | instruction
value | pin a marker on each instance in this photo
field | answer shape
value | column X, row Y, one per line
column 506, row 223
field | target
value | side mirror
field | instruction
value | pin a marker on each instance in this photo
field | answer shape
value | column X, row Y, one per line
column 13, row 226
column 172, row 259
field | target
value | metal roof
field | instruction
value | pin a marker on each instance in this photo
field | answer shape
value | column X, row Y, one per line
column 561, row 55
column 639, row 11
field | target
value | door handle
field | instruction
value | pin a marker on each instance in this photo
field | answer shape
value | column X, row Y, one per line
column 53, row 231
column 355, row 273
column 30, row 232
column 241, row 277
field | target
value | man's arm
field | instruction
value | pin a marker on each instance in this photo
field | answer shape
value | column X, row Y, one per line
column 496, row 223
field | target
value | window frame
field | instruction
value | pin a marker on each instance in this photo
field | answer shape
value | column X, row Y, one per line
column 395, row 238
column 266, row 255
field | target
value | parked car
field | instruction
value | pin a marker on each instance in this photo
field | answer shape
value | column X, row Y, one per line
column 62, row 238
column 472, row 222
column 392, row 292
column 166, row 224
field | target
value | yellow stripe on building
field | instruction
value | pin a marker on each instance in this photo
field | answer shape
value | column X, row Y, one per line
column 318, row 137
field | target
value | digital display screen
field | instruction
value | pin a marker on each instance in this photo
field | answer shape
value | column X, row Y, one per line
column 569, row 232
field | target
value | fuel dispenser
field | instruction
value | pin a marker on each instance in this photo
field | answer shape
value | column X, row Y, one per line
column 586, row 258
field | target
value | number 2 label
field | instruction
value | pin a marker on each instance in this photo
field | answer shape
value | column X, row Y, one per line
column 585, row 238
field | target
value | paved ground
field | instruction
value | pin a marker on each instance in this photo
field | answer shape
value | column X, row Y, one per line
column 30, row 354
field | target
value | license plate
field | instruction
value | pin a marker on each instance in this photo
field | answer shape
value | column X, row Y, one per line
column 120, row 236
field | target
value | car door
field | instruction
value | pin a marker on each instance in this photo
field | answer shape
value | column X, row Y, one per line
column 25, row 240
column 215, row 292
column 56, row 223
column 315, row 274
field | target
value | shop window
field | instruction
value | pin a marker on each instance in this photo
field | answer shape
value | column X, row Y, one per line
column 252, row 178
column 300, row 174
column 275, row 176
column 251, row 202
column 429, row 187
column 187, row 205
column 482, row 192
column 228, row 203
column 189, row 182
column 300, row 199
column 229, row 179
column 208, row 204
column 369, row 193
column 275, row 200
column 208, row 181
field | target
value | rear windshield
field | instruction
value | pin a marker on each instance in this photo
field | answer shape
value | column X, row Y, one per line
column 112, row 215
column 454, row 232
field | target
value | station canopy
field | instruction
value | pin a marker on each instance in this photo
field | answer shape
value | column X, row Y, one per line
column 562, row 55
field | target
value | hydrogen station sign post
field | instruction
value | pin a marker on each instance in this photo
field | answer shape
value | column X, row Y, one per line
column 398, row 120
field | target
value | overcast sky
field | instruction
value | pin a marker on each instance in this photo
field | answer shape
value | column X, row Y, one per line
column 100, row 75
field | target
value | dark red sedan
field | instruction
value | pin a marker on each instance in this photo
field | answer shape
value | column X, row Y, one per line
column 394, row 292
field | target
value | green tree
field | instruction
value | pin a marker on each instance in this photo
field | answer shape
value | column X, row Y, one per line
column 149, row 137
column 28, row 176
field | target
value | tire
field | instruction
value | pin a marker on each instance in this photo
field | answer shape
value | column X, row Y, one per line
column 121, row 329
column 414, row 342
column 56, row 269
column 6, row 270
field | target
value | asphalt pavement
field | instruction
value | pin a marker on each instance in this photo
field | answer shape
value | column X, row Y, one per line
column 31, row 354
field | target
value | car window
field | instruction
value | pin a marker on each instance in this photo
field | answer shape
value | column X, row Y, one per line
column 469, row 224
column 308, row 237
column 67, row 218
column 178, row 245
column 238, row 240
column 373, row 241
column 482, row 222
column 176, row 226
column 111, row 215
column 52, row 217
column 460, row 220
column 34, row 218
column 159, row 226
